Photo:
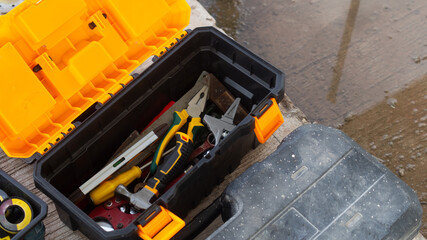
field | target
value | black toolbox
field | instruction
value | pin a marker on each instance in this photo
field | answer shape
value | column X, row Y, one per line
column 318, row 184
column 84, row 151
column 81, row 128
column 35, row 230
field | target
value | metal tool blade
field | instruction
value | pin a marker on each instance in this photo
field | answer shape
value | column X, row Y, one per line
column 223, row 98
column 106, row 226
column 141, row 199
column 231, row 112
column 198, row 102
column 217, row 127
column 222, row 126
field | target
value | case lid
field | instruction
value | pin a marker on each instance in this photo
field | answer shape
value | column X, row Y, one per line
column 58, row 58
column 318, row 184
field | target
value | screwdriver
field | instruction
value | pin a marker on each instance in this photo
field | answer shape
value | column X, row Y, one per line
column 106, row 189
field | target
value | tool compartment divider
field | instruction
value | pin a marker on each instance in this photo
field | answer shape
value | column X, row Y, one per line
column 85, row 151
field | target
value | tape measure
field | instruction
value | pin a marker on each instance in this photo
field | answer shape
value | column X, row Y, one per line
column 15, row 214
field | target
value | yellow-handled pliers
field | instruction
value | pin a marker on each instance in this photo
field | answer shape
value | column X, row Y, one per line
column 194, row 109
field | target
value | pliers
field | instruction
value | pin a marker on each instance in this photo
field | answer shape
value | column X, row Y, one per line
column 193, row 111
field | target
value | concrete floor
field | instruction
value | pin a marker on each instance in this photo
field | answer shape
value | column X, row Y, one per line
column 347, row 64
column 340, row 57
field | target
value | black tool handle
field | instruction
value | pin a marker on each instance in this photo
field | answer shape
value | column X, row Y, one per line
column 173, row 164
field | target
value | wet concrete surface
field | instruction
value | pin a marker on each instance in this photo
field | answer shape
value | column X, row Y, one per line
column 355, row 64
column 395, row 131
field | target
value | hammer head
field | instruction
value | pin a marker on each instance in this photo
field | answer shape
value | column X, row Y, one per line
column 141, row 200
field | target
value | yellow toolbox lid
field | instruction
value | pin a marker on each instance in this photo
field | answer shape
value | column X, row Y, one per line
column 59, row 57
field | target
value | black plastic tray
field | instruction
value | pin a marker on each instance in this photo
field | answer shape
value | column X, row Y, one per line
column 81, row 154
column 13, row 188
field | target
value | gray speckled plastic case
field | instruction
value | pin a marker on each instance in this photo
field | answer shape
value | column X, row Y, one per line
column 319, row 184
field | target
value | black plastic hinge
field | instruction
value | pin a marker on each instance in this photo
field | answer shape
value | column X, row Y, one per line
column 149, row 215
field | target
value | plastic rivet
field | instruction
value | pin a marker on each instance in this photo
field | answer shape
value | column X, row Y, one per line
column 92, row 25
column 37, row 68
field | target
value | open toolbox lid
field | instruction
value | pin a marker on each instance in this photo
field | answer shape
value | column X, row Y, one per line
column 58, row 58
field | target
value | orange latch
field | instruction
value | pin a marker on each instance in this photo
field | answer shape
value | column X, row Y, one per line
column 267, row 120
column 162, row 226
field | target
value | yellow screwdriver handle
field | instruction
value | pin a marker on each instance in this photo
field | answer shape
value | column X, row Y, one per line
column 106, row 189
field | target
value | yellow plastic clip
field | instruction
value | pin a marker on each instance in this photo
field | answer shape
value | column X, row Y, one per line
column 267, row 120
column 163, row 226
